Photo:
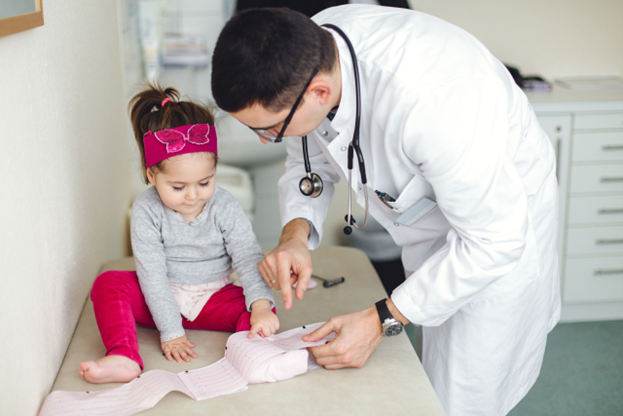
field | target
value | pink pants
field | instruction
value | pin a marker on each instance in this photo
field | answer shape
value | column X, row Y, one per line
column 119, row 305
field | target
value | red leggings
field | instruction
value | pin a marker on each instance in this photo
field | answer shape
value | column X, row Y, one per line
column 119, row 305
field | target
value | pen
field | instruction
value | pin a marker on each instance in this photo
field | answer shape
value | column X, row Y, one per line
column 329, row 283
column 385, row 198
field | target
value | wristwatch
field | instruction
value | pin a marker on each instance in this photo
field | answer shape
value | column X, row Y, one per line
column 391, row 327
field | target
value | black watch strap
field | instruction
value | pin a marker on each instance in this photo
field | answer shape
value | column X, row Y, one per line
column 383, row 310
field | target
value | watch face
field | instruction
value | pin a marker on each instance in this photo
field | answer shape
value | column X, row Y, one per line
column 393, row 329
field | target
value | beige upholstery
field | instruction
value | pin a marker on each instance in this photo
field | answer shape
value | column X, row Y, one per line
column 391, row 383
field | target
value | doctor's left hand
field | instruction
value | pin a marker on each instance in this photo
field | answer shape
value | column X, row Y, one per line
column 357, row 336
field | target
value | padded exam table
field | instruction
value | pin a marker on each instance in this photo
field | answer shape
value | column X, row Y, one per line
column 392, row 382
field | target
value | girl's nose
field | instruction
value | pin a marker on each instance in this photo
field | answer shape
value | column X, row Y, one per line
column 191, row 194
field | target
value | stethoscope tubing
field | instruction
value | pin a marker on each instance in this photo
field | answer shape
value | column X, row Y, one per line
column 354, row 148
column 314, row 181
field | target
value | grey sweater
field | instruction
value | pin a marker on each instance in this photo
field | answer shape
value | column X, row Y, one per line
column 167, row 249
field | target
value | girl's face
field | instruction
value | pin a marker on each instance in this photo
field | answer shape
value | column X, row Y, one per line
column 186, row 183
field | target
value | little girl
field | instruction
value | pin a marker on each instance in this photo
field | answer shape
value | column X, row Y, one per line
column 187, row 235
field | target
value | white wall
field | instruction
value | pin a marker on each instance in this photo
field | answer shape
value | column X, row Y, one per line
column 65, row 186
column 554, row 38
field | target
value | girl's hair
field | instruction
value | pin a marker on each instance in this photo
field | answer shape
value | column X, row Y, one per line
column 148, row 114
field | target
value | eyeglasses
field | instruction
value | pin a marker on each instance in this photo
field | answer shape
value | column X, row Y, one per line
column 269, row 135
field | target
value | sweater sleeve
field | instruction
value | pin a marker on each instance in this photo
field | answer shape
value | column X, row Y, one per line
column 152, row 270
column 244, row 250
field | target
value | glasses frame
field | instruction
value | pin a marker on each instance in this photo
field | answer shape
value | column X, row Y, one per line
column 267, row 134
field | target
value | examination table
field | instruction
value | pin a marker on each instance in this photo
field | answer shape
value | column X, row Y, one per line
column 392, row 382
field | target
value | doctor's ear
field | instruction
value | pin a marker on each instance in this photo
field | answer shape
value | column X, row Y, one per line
column 322, row 91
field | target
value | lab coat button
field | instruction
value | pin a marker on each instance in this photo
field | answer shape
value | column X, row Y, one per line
column 324, row 132
column 343, row 149
column 396, row 224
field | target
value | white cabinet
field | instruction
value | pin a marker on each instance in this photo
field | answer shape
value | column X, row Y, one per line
column 586, row 130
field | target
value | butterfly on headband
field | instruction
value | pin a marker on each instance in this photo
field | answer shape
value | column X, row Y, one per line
column 176, row 140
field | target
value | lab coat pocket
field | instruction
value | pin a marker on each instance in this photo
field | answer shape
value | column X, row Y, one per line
column 415, row 201
column 417, row 188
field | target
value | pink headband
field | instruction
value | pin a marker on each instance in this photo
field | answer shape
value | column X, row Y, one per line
column 164, row 144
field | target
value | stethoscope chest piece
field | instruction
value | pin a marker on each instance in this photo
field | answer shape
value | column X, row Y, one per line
column 311, row 185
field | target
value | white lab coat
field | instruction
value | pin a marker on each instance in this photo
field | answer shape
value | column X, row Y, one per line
column 442, row 118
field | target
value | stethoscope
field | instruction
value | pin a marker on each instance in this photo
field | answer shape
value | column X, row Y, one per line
column 311, row 185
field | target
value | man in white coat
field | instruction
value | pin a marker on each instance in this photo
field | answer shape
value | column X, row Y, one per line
column 441, row 120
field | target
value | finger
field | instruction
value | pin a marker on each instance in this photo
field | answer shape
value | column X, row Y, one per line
column 254, row 330
column 335, row 366
column 190, row 344
column 323, row 331
column 303, row 282
column 325, row 356
column 190, row 351
column 176, row 354
column 283, row 271
column 183, row 355
column 266, row 270
column 167, row 354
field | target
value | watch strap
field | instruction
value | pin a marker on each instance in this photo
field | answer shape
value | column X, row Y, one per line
column 383, row 310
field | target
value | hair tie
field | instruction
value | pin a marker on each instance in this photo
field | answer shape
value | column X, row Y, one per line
column 166, row 100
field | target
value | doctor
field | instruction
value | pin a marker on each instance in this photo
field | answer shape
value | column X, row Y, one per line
column 442, row 125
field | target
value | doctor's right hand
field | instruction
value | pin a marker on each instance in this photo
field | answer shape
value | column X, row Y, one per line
column 290, row 262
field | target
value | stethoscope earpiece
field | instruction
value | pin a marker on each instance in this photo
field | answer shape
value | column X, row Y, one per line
column 311, row 185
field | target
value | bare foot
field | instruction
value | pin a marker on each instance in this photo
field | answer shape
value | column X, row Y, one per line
column 110, row 369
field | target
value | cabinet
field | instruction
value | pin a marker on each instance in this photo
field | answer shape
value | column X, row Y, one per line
column 586, row 130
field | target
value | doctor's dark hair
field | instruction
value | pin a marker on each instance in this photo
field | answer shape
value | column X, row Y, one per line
column 266, row 56
column 147, row 113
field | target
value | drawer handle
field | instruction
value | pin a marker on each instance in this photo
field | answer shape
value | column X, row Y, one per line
column 620, row 179
column 599, row 271
column 610, row 211
column 602, row 241
column 612, row 147
column 558, row 144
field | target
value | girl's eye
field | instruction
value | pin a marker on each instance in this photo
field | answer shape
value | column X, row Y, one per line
column 205, row 184
column 178, row 188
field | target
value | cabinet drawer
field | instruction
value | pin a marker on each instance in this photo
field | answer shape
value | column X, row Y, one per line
column 595, row 147
column 595, row 209
column 598, row 279
column 595, row 240
column 597, row 178
column 598, row 121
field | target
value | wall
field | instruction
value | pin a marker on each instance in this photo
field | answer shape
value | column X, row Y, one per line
column 554, row 38
column 64, row 186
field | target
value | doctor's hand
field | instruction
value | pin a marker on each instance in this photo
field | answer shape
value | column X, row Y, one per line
column 290, row 262
column 357, row 335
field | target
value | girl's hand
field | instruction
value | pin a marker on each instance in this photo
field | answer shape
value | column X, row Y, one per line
column 179, row 348
column 263, row 321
